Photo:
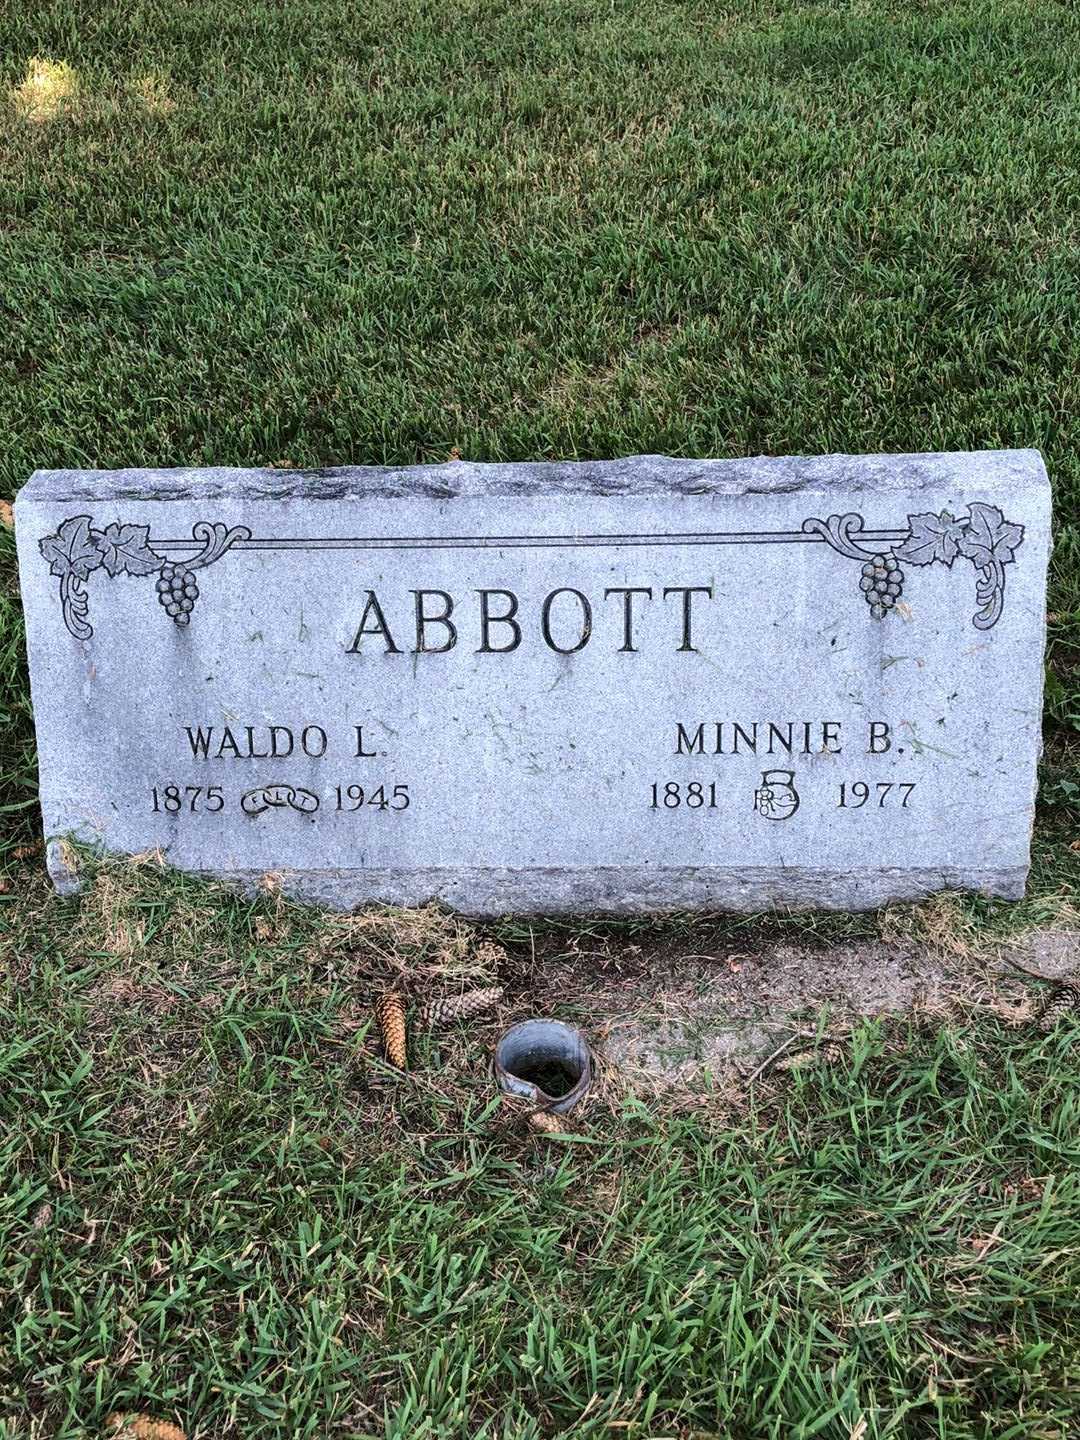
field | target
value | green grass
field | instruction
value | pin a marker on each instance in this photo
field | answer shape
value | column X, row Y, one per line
column 325, row 233
column 319, row 233
column 260, row 1230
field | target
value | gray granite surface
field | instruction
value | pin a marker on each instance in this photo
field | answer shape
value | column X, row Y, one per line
column 630, row 685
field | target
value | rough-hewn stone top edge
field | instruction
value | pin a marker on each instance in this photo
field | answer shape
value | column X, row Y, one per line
column 634, row 475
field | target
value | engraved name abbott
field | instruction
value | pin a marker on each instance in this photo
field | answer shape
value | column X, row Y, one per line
column 982, row 536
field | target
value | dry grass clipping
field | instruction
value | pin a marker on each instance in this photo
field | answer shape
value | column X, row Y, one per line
column 945, row 924
column 424, row 947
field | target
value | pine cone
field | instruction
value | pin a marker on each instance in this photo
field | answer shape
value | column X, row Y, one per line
column 829, row 1054
column 460, row 1007
column 1061, row 1004
column 143, row 1427
column 390, row 1017
column 546, row 1123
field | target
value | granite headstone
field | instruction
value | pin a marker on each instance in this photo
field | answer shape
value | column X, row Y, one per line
column 640, row 684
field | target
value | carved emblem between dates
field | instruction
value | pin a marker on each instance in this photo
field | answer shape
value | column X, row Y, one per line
column 982, row 536
column 278, row 797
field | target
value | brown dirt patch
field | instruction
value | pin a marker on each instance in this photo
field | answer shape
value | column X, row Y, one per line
column 665, row 1016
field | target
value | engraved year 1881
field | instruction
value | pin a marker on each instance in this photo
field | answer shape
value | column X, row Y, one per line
column 693, row 794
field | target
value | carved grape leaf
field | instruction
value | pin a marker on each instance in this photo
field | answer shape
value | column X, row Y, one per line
column 73, row 550
column 125, row 550
column 930, row 538
column 988, row 536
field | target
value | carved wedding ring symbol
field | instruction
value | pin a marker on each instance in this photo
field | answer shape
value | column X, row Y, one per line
column 279, row 797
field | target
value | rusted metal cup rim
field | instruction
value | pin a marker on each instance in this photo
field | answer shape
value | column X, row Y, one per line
column 535, row 1049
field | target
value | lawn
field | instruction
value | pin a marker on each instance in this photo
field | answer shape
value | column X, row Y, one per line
column 259, row 1228
column 248, row 232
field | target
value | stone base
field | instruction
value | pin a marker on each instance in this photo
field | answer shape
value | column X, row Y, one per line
column 637, row 890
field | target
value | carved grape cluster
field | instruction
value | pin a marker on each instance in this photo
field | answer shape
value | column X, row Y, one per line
column 177, row 591
column 882, row 584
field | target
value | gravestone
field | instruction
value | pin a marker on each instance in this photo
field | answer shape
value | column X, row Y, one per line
column 642, row 684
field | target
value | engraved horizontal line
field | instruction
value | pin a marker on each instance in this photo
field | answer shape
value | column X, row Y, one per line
column 535, row 542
